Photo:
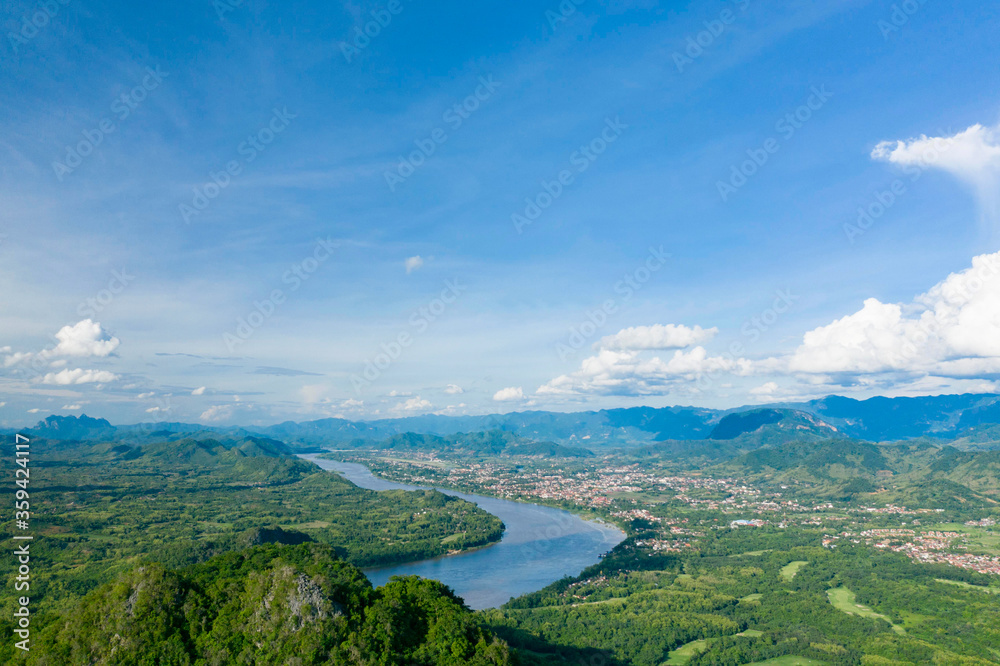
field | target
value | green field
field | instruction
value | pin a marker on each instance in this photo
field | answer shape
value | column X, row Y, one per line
column 970, row 586
column 789, row 661
column 843, row 599
column 683, row 654
column 789, row 570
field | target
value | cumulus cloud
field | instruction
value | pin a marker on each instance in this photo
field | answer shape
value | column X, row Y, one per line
column 764, row 392
column 453, row 389
column 630, row 373
column 952, row 330
column 509, row 394
column 198, row 391
column 214, row 413
column 413, row 264
column 972, row 156
column 86, row 338
column 416, row 404
column 235, row 411
column 72, row 408
column 658, row 336
column 79, row 376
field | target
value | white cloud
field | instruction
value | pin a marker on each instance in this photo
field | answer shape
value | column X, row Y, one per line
column 143, row 396
column 314, row 393
column 658, row 336
column 16, row 358
column 509, row 394
column 413, row 264
column 85, row 338
column 214, row 413
column 972, row 156
column 629, row 373
column 34, row 411
column 3, row 404
column 764, row 392
column 453, row 389
column 79, row 376
column 416, row 404
column 72, row 408
column 198, row 391
column 952, row 330
column 399, row 394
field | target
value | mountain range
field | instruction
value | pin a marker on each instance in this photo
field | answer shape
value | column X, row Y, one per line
column 969, row 420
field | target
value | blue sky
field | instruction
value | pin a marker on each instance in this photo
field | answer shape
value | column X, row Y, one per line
column 643, row 108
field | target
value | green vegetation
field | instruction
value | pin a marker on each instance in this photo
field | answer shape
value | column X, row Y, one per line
column 789, row 570
column 684, row 653
column 100, row 509
column 713, row 607
column 843, row 599
column 969, row 586
column 267, row 605
column 756, row 548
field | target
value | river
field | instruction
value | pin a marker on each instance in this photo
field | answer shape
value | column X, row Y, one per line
column 539, row 546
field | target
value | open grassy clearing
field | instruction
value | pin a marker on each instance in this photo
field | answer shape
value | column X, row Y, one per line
column 789, row 570
column 844, row 600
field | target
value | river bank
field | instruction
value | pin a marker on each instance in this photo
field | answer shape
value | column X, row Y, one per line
column 540, row 545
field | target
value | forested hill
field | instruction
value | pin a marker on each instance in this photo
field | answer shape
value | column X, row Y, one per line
column 265, row 605
column 946, row 418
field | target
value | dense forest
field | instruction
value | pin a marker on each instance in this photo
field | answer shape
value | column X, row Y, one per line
column 267, row 604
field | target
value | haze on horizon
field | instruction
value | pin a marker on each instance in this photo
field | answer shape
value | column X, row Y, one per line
column 238, row 213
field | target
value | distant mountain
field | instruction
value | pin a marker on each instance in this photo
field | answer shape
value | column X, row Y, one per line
column 965, row 419
column 490, row 443
column 779, row 422
column 890, row 419
column 72, row 427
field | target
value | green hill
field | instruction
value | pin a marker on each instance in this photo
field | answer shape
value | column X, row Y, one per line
column 267, row 605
